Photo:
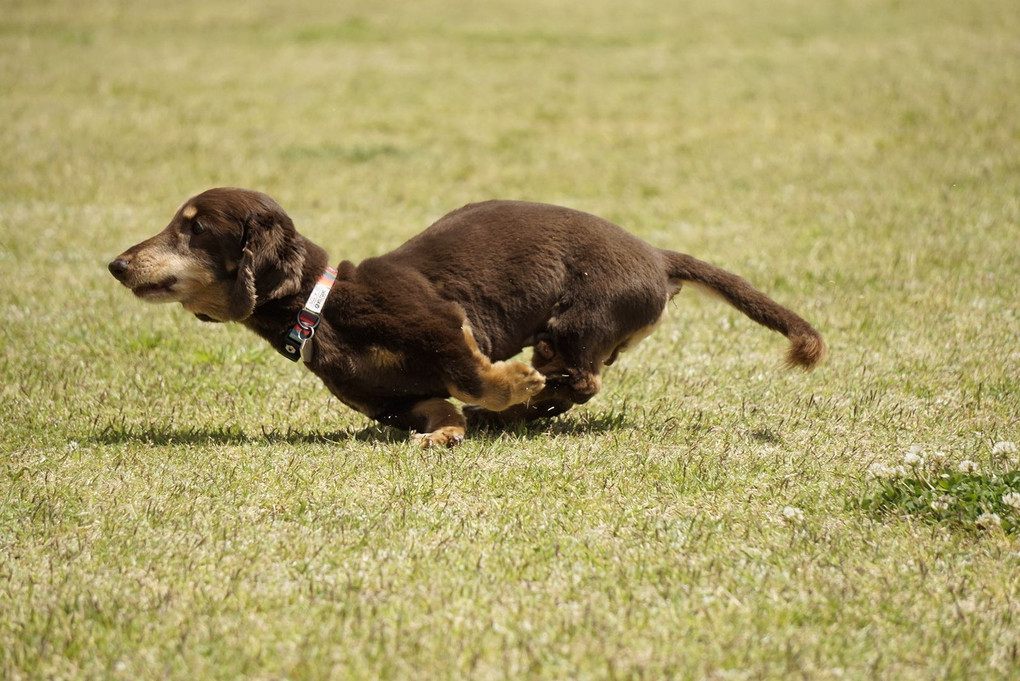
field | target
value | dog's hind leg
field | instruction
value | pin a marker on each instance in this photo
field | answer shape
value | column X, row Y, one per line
column 571, row 351
column 569, row 376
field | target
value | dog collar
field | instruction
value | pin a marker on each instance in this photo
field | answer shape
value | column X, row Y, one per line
column 296, row 344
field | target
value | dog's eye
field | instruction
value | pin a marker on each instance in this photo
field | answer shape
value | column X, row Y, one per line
column 197, row 227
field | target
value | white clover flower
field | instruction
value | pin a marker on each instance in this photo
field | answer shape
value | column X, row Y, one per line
column 1004, row 447
column 1012, row 499
column 940, row 457
column 72, row 445
column 989, row 521
column 967, row 466
column 881, row 471
column 878, row 470
column 942, row 503
column 913, row 459
column 793, row 514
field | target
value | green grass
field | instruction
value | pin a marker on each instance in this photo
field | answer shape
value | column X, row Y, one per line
column 178, row 502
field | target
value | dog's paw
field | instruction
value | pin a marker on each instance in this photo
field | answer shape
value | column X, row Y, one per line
column 441, row 437
column 503, row 384
column 513, row 383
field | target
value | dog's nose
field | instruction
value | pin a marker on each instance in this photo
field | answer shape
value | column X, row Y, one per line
column 119, row 267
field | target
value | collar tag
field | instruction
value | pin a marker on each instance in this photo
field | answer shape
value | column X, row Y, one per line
column 296, row 345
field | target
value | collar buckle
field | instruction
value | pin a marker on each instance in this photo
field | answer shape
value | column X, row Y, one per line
column 295, row 344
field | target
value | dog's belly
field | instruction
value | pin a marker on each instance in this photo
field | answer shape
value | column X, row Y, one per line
column 372, row 394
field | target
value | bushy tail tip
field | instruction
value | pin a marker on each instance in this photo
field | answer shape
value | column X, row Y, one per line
column 806, row 351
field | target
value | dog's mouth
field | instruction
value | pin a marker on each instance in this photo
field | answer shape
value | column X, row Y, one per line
column 155, row 291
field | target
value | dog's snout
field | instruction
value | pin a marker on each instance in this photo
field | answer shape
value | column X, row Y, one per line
column 119, row 268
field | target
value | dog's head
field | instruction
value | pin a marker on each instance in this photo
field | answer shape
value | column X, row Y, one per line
column 224, row 250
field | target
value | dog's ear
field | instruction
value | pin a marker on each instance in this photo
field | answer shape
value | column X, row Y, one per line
column 242, row 294
column 272, row 257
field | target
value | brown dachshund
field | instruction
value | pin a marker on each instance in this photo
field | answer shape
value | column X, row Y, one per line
column 441, row 316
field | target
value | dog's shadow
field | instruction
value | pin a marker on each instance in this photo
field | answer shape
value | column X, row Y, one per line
column 587, row 423
column 162, row 436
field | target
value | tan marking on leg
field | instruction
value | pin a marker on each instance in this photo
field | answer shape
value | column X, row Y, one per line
column 543, row 350
column 444, row 423
column 469, row 338
column 504, row 384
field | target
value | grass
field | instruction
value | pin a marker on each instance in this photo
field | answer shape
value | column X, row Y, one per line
column 177, row 502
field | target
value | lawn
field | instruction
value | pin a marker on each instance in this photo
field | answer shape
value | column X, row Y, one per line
column 179, row 502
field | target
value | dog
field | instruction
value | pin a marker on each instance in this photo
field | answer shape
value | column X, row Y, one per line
column 396, row 336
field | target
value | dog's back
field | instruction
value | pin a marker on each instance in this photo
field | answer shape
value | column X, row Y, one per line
column 512, row 264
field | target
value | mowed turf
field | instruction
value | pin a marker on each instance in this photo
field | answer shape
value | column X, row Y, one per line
column 177, row 501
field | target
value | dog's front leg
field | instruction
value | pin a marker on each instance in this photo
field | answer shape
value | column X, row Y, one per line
column 436, row 423
column 473, row 378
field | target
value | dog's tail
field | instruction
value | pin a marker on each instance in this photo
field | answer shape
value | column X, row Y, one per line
column 806, row 345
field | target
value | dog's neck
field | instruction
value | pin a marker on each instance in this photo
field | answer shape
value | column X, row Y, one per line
column 273, row 318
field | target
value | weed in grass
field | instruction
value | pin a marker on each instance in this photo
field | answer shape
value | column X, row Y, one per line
column 963, row 497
